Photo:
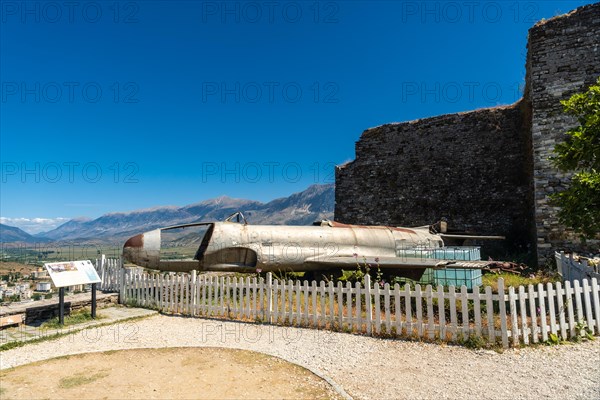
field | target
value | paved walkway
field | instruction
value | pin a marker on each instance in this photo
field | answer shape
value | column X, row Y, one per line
column 109, row 315
column 365, row 367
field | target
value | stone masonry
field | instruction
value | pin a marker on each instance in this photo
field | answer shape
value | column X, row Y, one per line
column 487, row 171
column 471, row 168
column 563, row 58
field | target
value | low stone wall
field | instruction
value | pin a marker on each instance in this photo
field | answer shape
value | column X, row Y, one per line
column 47, row 309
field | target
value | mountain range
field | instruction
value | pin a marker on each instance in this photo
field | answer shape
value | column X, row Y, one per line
column 303, row 208
column 10, row 234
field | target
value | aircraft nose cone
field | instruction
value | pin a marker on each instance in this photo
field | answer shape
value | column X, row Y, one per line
column 143, row 249
column 132, row 248
column 135, row 241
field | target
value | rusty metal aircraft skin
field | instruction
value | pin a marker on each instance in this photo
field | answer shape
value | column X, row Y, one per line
column 240, row 247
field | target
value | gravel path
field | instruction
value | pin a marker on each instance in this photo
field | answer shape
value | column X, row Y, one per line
column 365, row 367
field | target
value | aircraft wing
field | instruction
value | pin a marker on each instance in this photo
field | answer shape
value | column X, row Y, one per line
column 394, row 262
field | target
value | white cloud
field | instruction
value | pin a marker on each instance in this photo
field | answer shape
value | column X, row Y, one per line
column 34, row 225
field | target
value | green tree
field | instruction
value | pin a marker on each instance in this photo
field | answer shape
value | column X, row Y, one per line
column 15, row 298
column 580, row 153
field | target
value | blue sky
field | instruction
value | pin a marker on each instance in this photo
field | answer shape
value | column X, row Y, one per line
column 114, row 106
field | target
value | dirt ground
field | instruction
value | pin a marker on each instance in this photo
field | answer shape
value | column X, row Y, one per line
column 174, row 373
column 26, row 269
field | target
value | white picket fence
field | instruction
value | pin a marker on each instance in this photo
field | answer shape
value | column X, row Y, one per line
column 109, row 270
column 523, row 315
column 572, row 270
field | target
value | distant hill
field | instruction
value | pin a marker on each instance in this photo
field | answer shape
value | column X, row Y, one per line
column 303, row 208
column 11, row 234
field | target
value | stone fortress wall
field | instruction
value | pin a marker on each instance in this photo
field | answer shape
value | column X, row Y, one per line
column 563, row 58
column 487, row 170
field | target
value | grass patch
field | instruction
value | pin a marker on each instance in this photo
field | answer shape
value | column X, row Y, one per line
column 78, row 380
column 16, row 344
column 474, row 342
column 2, row 391
column 78, row 317
column 518, row 280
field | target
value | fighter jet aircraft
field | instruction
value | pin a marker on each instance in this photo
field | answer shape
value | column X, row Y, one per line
column 235, row 245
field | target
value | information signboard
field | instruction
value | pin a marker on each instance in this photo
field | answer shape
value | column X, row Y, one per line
column 71, row 273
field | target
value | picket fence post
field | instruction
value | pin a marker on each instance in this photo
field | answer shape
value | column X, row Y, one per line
column 514, row 326
column 477, row 310
column 441, row 312
column 453, row 317
column 430, row 322
column 369, row 306
column 194, row 287
column 596, row 299
column 503, row 322
column 464, row 311
column 522, row 307
column 269, row 308
column 102, row 271
column 358, row 288
column 588, row 305
column 377, row 307
column 122, row 299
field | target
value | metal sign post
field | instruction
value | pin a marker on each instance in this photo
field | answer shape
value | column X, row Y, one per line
column 72, row 273
column 61, row 306
column 94, row 300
